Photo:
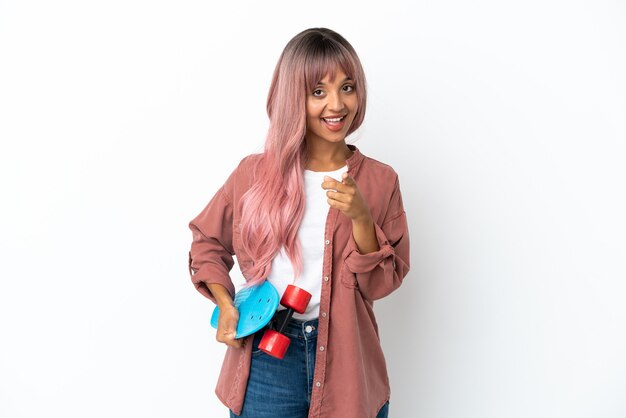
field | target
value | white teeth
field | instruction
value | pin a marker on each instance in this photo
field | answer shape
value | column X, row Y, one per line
column 332, row 120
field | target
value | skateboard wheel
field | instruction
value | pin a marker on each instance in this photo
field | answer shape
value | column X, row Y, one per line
column 295, row 298
column 274, row 344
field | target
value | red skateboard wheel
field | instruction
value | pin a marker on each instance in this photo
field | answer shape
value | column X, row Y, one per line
column 274, row 344
column 295, row 298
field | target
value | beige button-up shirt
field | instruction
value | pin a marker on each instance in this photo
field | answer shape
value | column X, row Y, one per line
column 350, row 377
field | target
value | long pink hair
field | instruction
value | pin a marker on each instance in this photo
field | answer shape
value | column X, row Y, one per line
column 273, row 208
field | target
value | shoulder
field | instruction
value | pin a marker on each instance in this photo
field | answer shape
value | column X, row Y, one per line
column 245, row 168
column 378, row 165
column 372, row 167
column 241, row 178
column 248, row 162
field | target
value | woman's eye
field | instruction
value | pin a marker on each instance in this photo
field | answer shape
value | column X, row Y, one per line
column 348, row 88
column 317, row 92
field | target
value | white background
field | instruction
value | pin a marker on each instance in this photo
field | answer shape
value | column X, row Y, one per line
column 506, row 122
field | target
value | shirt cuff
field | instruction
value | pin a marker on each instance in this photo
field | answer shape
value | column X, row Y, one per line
column 363, row 263
column 210, row 273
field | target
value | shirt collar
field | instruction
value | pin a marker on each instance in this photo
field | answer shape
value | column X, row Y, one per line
column 354, row 160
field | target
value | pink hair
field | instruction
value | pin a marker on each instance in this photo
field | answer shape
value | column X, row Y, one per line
column 274, row 206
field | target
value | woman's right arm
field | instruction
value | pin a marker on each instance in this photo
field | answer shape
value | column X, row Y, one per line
column 211, row 253
column 211, row 259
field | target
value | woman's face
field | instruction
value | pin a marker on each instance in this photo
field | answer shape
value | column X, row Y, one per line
column 330, row 108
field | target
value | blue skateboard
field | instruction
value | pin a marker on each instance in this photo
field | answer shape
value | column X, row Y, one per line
column 256, row 305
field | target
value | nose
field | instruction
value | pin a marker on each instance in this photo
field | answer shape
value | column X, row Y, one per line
column 335, row 102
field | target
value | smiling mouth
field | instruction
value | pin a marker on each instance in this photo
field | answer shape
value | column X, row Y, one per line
column 334, row 120
column 335, row 124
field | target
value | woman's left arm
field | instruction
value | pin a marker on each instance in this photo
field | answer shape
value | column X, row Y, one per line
column 378, row 255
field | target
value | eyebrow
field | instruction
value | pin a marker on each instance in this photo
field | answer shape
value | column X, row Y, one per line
column 319, row 83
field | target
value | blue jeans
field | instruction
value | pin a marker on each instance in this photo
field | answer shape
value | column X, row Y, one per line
column 282, row 388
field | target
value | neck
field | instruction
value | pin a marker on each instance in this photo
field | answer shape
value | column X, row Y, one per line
column 326, row 156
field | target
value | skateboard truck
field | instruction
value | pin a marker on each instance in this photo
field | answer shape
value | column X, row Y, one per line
column 274, row 342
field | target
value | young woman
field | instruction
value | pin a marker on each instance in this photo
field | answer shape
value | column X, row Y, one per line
column 315, row 212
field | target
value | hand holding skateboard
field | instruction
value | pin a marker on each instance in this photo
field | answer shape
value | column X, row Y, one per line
column 257, row 306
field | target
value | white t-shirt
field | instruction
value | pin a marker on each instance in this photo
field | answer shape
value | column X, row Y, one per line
column 311, row 236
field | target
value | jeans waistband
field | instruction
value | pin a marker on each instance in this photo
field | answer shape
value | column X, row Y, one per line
column 301, row 329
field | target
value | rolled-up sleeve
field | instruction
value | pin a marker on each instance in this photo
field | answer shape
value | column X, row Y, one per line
column 211, row 254
column 381, row 272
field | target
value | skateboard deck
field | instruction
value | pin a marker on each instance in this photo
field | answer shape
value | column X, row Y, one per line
column 256, row 305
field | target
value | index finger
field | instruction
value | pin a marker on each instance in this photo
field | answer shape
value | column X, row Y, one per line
column 348, row 179
column 332, row 184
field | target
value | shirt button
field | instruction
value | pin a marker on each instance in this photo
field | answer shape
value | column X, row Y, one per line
column 324, row 314
column 326, row 278
column 327, row 242
column 322, row 348
column 308, row 328
column 318, row 384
